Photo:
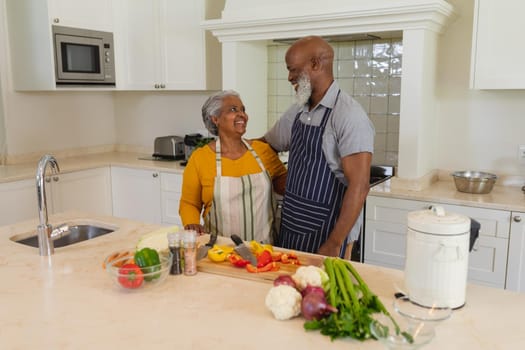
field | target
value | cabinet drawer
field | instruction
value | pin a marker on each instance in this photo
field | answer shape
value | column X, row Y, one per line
column 170, row 182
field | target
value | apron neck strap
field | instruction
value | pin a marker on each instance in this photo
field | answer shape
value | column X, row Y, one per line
column 218, row 162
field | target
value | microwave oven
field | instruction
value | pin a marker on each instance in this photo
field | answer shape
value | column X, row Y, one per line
column 83, row 56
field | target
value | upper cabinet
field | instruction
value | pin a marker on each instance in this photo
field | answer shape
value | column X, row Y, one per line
column 498, row 30
column 92, row 14
column 161, row 45
column 31, row 42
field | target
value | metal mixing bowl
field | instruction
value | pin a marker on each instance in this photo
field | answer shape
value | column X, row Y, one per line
column 476, row 182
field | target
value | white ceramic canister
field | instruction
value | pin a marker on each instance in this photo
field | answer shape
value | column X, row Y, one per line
column 437, row 257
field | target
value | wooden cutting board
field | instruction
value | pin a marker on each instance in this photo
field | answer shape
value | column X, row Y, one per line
column 225, row 268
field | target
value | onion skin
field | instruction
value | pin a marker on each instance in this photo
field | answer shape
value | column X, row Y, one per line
column 312, row 289
column 314, row 307
column 286, row 280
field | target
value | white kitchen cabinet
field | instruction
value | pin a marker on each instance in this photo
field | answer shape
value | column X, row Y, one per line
column 87, row 190
column 92, row 14
column 18, row 201
column 160, row 45
column 386, row 228
column 516, row 260
column 496, row 52
column 30, row 37
column 136, row 194
column 170, row 184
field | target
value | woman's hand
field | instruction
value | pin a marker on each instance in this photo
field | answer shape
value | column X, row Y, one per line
column 196, row 227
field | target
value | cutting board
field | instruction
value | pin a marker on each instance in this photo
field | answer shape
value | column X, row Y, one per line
column 225, row 268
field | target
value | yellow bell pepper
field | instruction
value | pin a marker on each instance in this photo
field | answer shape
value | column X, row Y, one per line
column 217, row 254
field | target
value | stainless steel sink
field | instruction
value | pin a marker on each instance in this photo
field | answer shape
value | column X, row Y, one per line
column 69, row 235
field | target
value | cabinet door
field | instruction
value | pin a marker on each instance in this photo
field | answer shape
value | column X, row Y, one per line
column 137, row 43
column 136, row 194
column 87, row 190
column 18, row 201
column 498, row 28
column 516, row 260
column 386, row 227
column 92, row 14
column 170, row 198
column 183, row 53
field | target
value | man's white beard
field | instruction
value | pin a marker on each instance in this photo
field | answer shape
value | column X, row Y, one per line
column 304, row 90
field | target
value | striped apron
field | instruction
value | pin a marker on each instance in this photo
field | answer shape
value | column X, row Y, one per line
column 313, row 195
column 242, row 205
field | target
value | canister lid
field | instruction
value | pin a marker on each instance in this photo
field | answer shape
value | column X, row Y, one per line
column 436, row 221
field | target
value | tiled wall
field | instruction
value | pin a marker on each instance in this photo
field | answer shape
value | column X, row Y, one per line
column 368, row 70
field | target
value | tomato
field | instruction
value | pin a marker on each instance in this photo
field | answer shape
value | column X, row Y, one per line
column 130, row 276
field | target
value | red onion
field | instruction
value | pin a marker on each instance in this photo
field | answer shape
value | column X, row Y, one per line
column 313, row 289
column 315, row 307
column 285, row 279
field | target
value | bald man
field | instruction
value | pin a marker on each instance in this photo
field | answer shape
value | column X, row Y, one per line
column 330, row 142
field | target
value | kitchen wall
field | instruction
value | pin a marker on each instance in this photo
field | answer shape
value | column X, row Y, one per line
column 142, row 116
column 476, row 129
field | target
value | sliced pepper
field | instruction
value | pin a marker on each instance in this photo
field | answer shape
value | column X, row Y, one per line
column 264, row 258
column 268, row 267
column 148, row 260
column 237, row 261
column 217, row 254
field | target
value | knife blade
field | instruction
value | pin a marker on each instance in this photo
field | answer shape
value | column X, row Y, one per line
column 243, row 250
column 202, row 251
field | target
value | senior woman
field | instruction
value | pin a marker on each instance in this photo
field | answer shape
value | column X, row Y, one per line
column 231, row 180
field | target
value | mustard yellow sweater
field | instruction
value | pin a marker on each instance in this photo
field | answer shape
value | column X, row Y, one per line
column 200, row 172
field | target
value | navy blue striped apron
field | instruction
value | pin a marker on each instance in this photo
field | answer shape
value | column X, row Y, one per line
column 313, row 195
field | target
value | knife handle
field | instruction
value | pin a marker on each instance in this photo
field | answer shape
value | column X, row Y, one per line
column 213, row 239
column 236, row 239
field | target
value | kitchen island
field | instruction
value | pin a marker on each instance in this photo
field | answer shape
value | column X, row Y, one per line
column 66, row 301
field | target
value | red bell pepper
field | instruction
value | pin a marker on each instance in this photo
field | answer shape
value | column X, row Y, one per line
column 264, row 258
column 237, row 261
column 268, row 267
column 130, row 276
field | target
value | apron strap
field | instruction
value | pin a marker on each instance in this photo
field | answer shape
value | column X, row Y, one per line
column 218, row 161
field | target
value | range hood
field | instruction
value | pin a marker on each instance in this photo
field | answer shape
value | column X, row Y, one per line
column 246, row 27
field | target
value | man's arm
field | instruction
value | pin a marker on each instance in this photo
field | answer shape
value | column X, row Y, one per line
column 356, row 168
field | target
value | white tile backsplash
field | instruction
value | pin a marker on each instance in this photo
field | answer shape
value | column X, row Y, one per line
column 368, row 70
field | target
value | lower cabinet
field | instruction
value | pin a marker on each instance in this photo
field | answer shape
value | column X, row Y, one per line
column 386, row 228
column 17, row 201
column 516, row 261
column 85, row 190
column 146, row 195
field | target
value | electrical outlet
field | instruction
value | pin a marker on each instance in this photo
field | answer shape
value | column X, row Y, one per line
column 521, row 153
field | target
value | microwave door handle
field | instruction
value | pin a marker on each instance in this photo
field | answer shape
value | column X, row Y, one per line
column 173, row 146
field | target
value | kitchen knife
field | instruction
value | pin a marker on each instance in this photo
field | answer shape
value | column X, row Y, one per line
column 243, row 250
column 202, row 251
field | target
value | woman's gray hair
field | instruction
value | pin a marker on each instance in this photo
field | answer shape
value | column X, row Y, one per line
column 213, row 106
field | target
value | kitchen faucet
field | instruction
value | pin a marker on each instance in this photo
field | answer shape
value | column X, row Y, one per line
column 44, row 230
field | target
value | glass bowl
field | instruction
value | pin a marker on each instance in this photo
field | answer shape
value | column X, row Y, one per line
column 133, row 279
column 410, row 335
column 416, row 312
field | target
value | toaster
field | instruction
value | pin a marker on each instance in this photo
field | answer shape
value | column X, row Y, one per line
column 169, row 147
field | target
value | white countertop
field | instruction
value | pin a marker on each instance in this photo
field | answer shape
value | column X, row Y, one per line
column 66, row 301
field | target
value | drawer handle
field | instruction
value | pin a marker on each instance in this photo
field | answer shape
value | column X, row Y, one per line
column 155, row 175
column 517, row 218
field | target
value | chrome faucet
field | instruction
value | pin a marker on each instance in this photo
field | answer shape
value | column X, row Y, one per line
column 45, row 242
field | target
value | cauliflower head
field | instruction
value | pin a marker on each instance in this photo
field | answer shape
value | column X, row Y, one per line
column 310, row 276
column 284, row 302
